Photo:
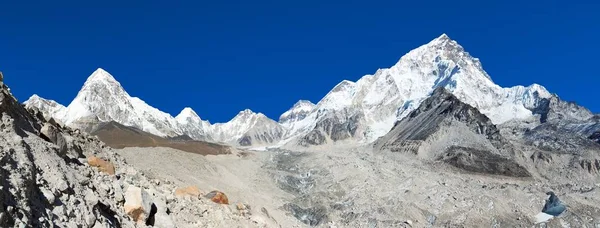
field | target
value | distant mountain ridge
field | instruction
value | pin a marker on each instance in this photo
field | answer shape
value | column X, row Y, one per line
column 360, row 111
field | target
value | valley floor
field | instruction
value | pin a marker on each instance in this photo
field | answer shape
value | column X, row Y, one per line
column 357, row 187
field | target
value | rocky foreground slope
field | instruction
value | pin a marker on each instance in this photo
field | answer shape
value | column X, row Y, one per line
column 54, row 176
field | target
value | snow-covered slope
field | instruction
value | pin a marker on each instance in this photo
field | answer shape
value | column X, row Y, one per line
column 392, row 93
column 248, row 128
column 104, row 98
column 192, row 125
column 360, row 111
column 49, row 108
column 298, row 112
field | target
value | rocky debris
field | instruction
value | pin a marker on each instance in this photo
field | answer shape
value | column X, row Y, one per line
column 540, row 156
column 483, row 162
column 591, row 166
column 190, row 191
column 243, row 209
column 23, row 120
column 102, row 165
column 52, row 133
column 310, row 216
column 138, row 204
column 44, row 185
column 218, row 197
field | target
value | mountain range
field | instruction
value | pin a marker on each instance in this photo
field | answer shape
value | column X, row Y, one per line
column 352, row 112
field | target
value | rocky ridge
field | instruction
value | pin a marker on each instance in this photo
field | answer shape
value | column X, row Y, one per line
column 444, row 128
column 56, row 176
column 358, row 111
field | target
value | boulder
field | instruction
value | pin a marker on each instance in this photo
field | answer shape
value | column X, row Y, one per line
column 52, row 134
column 190, row 191
column 102, row 165
column 162, row 217
column 138, row 204
column 218, row 197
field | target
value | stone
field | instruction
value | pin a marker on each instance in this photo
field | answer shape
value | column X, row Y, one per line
column 162, row 218
column 243, row 209
column 138, row 204
column 90, row 219
column 48, row 195
column 62, row 186
column 1, row 77
column 51, row 133
column 90, row 197
column 218, row 197
column 59, row 211
column 190, row 191
column 118, row 192
column 102, row 165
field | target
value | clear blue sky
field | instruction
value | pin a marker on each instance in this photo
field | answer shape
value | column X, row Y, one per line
column 220, row 57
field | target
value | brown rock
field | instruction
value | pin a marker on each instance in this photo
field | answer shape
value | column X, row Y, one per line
column 102, row 165
column 218, row 197
column 192, row 191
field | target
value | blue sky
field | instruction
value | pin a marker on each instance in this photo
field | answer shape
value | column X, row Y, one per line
column 220, row 57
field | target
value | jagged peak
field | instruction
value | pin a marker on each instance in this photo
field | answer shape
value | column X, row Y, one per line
column 36, row 98
column 344, row 84
column 303, row 103
column 187, row 112
column 442, row 38
column 246, row 112
column 101, row 76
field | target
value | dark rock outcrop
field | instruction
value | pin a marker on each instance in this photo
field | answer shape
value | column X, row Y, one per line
column 481, row 161
column 337, row 126
column 595, row 137
column 483, row 150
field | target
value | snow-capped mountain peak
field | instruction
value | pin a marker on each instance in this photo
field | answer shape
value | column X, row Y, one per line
column 192, row 125
column 102, row 99
column 298, row 112
column 440, row 39
column 186, row 115
column 361, row 110
column 340, row 96
column 49, row 108
column 246, row 112
column 375, row 102
column 101, row 76
column 36, row 99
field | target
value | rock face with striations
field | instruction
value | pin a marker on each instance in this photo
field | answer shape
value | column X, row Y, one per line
column 444, row 128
